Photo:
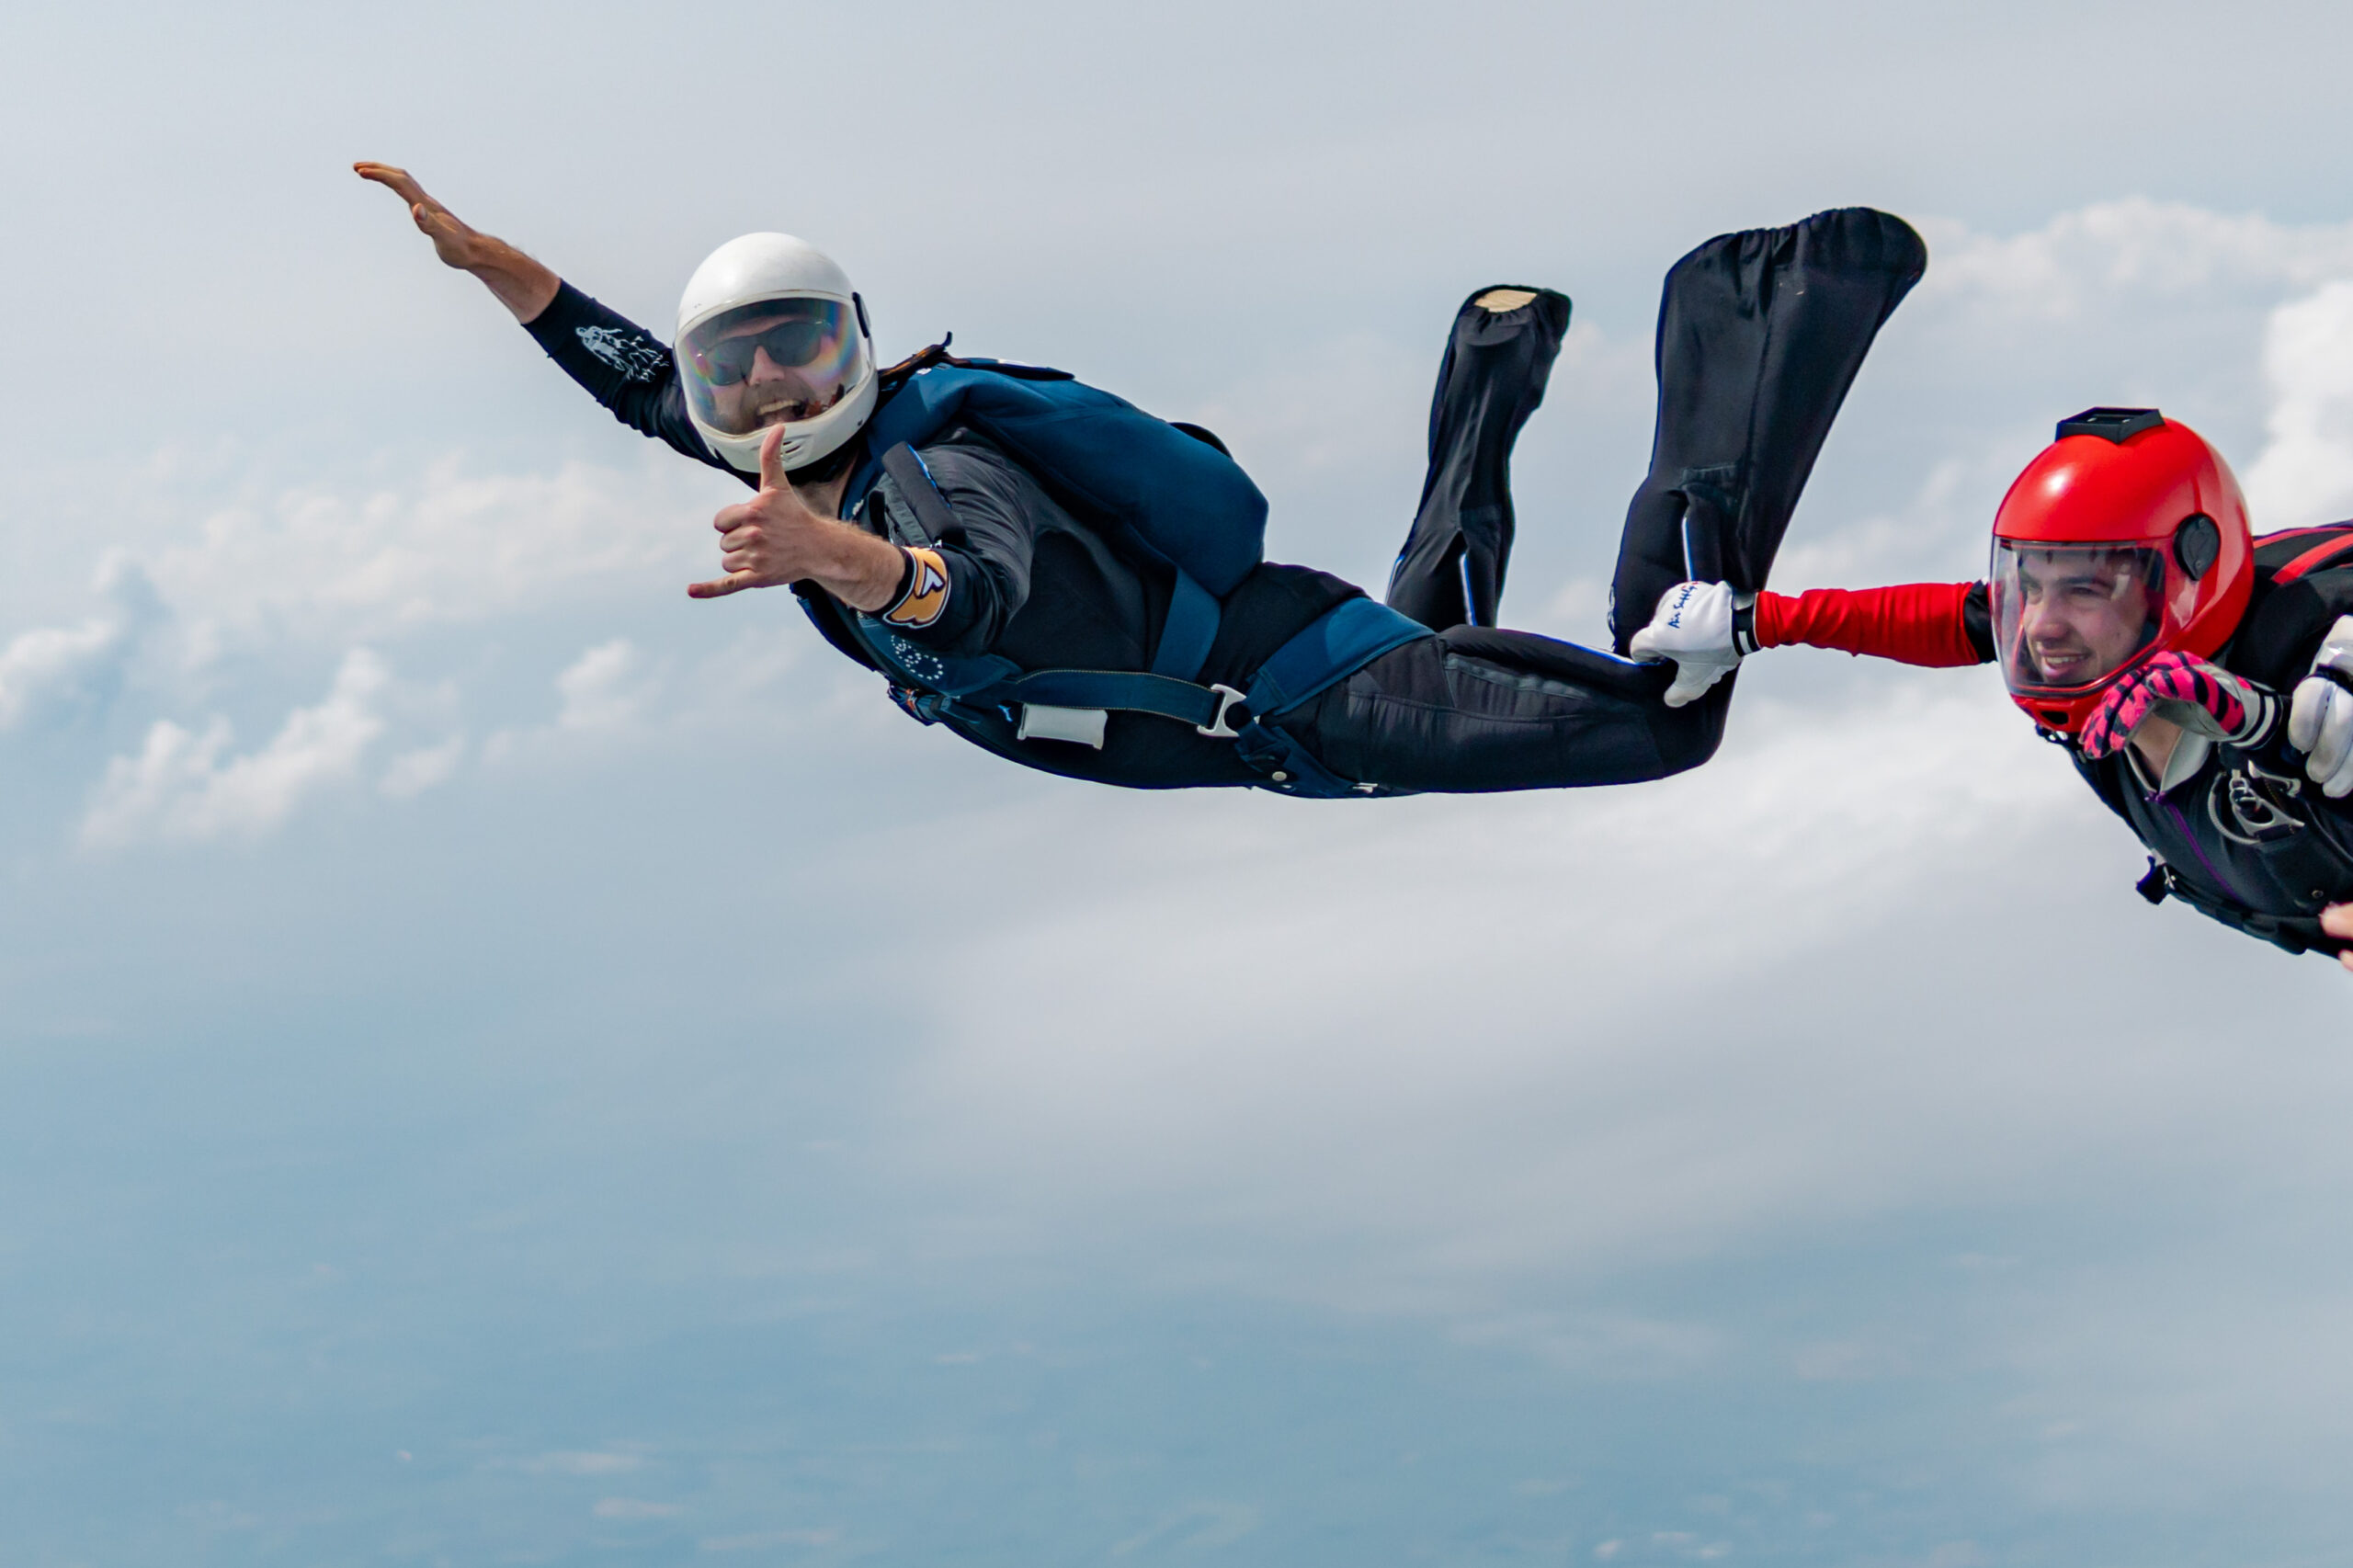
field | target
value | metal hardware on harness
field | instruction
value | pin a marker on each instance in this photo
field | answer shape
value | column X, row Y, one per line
column 2261, row 819
column 2285, row 783
column 1217, row 728
column 1080, row 726
column 923, row 707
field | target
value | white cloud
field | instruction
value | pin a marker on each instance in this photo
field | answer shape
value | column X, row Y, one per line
column 2306, row 474
column 35, row 664
column 2127, row 253
column 606, row 691
column 603, row 689
column 1911, row 541
column 413, row 772
column 50, row 662
column 452, row 546
column 181, row 788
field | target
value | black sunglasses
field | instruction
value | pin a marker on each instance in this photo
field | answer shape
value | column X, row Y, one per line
column 790, row 344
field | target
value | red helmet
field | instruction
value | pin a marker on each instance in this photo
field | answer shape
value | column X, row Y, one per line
column 2127, row 538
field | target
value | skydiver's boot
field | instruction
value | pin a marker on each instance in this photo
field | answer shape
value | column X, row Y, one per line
column 1497, row 359
column 1759, row 336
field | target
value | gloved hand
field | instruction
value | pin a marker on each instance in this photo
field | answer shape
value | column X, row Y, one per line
column 1693, row 626
column 2204, row 699
column 2320, row 713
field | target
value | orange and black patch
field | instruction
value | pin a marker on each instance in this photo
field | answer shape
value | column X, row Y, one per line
column 926, row 594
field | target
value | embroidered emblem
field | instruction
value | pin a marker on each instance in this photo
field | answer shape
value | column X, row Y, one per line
column 923, row 667
column 926, row 594
column 637, row 358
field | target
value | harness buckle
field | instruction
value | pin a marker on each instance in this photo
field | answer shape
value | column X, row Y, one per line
column 2261, row 818
column 923, row 707
column 1217, row 728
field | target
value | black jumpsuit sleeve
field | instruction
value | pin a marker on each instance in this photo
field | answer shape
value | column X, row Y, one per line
column 1977, row 620
column 622, row 366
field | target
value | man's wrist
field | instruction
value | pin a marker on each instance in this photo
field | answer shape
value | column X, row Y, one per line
column 866, row 573
column 524, row 285
column 1743, row 629
column 899, row 590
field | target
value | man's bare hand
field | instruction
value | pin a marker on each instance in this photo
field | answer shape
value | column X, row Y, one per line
column 523, row 286
column 2337, row 921
column 776, row 537
column 455, row 242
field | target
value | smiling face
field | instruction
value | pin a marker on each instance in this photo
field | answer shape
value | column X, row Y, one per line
column 2069, row 618
column 772, row 391
column 770, row 364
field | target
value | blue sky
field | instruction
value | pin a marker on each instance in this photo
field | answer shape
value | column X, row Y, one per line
column 501, row 1063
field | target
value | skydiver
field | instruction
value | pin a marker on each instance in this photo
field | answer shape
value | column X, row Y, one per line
column 1036, row 598
column 2199, row 678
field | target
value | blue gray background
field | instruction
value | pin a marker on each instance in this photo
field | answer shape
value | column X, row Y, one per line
column 499, row 1063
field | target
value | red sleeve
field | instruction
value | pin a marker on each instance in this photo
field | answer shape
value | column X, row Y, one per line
column 1916, row 623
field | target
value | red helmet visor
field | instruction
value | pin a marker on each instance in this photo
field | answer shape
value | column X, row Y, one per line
column 2067, row 618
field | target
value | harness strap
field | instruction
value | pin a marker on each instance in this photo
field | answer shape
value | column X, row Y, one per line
column 1189, row 630
column 933, row 515
column 1186, row 635
column 1126, row 690
column 1329, row 649
column 2293, row 933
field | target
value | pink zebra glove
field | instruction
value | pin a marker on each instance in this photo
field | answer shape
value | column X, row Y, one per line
column 2200, row 696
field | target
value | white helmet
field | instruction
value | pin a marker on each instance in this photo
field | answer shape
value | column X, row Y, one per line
column 769, row 333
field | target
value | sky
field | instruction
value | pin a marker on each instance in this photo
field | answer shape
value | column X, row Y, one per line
column 502, row 1063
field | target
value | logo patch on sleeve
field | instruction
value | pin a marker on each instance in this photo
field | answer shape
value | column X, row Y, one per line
column 926, row 594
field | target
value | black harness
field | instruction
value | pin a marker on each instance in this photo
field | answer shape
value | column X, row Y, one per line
column 2278, row 828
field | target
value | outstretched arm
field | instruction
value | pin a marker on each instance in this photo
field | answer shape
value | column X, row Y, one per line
column 523, row 286
column 618, row 362
column 1937, row 625
column 1706, row 631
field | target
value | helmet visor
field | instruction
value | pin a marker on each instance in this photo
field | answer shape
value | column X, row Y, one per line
column 773, row 363
column 2068, row 617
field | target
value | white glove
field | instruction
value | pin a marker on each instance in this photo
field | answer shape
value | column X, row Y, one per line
column 1693, row 627
column 2320, row 715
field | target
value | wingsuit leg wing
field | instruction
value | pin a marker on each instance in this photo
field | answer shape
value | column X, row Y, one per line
column 1498, row 358
column 1760, row 333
